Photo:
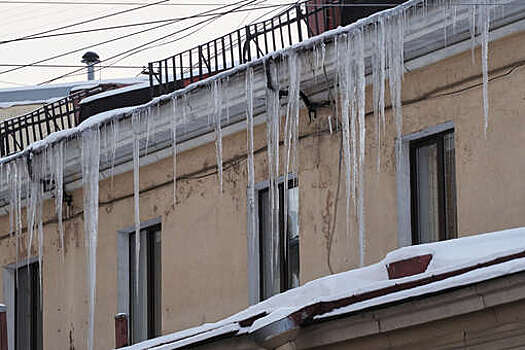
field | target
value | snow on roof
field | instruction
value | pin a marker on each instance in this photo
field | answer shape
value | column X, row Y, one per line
column 454, row 263
column 118, row 91
column 42, row 94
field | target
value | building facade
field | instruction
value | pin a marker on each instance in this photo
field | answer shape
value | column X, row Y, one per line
column 204, row 257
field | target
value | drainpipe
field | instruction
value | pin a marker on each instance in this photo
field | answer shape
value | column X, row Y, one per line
column 278, row 335
column 3, row 327
column 121, row 331
column 287, row 346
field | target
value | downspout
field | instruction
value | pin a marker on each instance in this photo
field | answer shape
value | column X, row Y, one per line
column 279, row 335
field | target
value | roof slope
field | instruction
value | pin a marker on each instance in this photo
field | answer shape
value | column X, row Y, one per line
column 454, row 263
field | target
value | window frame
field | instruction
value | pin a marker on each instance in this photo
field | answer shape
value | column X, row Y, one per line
column 439, row 140
column 254, row 246
column 9, row 289
column 123, row 271
column 36, row 294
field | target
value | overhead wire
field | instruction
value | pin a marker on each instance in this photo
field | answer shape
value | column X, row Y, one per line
column 186, row 69
column 33, row 37
column 95, row 19
column 110, row 40
column 239, row 3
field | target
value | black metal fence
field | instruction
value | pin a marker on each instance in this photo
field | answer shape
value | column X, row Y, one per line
column 291, row 26
column 19, row 132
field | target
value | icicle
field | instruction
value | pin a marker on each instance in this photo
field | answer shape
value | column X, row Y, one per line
column 40, row 228
column 395, row 44
column 472, row 15
column 217, row 109
column 227, row 92
column 59, row 190
column 135, row 122
column 148, row 119
column 35, row 171
column 175, row 106
column 291, row 131
column 272, row 134
column 90, row 176
column 250, row 165
column 114, row 143
column 484, row 29
column 361, row 84
column 344, row 93
column 378, row 78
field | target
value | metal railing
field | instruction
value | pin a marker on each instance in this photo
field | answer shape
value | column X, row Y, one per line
column 297, row 23
column 19, row 132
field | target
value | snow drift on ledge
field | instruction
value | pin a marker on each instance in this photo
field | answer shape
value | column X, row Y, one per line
column 447, row 256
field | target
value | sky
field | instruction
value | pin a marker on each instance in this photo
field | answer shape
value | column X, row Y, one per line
column 18, row 20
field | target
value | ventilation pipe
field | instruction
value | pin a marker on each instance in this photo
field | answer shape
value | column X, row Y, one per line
column 90, row 58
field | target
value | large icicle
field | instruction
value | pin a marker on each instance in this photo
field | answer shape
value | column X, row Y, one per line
column 343, row 68
column 291, row 130
column 90, row 176
column 272, row 134
column 58, row 172
column 250, row 163
column 175, row 110
column 217, row 96
column 484, row 24
column 361, row 84
column 395, row 29
column 378, row 78
column 136, row 126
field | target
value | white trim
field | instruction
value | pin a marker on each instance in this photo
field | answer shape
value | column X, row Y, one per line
column 254, row 278
column 9, row 287
column 123, row 263
column 404, row 219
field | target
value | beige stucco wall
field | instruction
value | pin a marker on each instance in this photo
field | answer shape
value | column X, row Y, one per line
column 204, row 242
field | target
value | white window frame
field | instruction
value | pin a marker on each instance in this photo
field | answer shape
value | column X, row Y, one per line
column 9, row 289
column 404, row 202
column 254, row 277
column 123, row 263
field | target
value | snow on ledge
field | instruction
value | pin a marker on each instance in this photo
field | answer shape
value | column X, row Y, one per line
column 447, row 256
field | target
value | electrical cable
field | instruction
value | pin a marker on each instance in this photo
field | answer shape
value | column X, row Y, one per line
column 130, row 25
column 95, row 19
column 107, row 41
column 143, row 45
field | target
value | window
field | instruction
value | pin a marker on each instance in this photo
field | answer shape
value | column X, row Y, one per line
column 283, row 274
column 145, row 308
column 433, row 188
column 28, row 309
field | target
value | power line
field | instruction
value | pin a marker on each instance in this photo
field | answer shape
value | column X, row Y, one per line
column 133, row 24
column 95, row 19
column 106, row 42
column 150, row 42
column 105, row 3
column 74, row 66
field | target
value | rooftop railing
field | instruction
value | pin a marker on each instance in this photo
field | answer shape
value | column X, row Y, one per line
column 19, row 132
column 295, row 24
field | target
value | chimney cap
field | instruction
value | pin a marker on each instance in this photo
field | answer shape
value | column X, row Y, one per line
column 90, row 57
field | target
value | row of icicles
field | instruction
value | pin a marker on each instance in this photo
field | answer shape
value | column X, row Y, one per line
column 39, row 170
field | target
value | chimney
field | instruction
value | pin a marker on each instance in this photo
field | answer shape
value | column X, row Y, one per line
column 90, row 58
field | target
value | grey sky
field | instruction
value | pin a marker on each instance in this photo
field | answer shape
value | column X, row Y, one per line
column 17, row 20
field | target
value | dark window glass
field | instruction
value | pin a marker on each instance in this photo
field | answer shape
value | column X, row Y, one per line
column 28, row 313
column 433, row 181
column 279, row 270
column 145, row 308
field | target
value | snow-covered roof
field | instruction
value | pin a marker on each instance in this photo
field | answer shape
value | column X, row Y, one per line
column 49, row 93
column 118, row 91
column 454, row 263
